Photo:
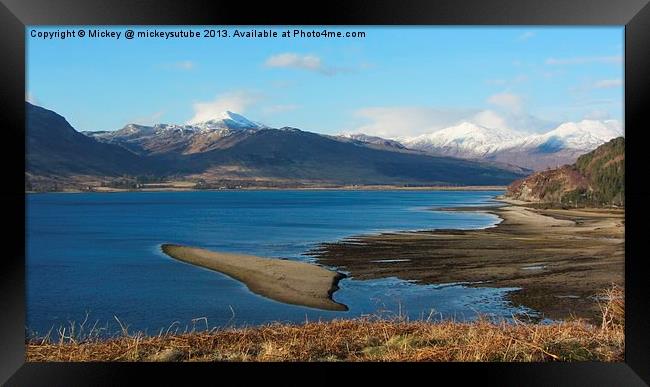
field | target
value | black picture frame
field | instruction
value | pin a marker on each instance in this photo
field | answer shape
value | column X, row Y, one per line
column 16, row 14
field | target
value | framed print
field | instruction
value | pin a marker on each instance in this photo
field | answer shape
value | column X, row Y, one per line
column 393, row 189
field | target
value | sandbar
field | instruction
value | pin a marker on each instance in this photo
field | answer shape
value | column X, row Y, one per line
column 290, row 282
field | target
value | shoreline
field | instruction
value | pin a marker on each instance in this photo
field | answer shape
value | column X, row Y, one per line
column 263, row 188
column 558, row 258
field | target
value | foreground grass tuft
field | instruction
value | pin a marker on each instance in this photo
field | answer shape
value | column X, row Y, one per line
column 365, row 339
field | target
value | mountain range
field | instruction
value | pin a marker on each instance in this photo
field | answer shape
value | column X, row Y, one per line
column 233, row 150
column 562, row 145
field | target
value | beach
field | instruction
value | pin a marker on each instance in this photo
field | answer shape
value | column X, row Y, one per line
column 291, row 282
column 559, row 258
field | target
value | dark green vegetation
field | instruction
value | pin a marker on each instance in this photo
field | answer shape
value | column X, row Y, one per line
column 605, row 170
column 60, row 157
column 596, row 179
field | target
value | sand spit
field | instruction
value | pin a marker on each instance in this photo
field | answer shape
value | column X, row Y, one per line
column 291, row 282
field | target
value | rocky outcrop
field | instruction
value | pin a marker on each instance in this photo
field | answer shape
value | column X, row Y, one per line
column 597, row 178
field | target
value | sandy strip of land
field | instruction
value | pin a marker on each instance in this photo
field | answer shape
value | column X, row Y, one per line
column 560, row 258
column 291, row 282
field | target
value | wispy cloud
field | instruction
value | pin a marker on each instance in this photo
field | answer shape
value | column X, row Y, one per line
column 509, row 101
column 404, row 121
column 525, row 36
column 304, row 62
column 617, row 59
column 237, row 101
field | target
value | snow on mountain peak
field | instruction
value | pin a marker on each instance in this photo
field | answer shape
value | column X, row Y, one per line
column 469, row 140
column 229, row 120
column 603, row 130
column 583, row 135
column 224, row 124
column 464, row 140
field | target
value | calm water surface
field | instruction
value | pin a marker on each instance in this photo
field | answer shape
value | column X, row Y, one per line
column 98, row 254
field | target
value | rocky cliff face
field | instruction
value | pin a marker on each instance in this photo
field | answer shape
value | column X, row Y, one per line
column 596, row 178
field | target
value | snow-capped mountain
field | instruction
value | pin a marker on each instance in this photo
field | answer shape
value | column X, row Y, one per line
column 187, row 138
column 229, row 120
column 466, row 140
column 585, row 135
column 559, row 146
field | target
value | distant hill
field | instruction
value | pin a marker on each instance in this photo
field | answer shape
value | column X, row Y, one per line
column 235, row 149
column 55, row 149
column 597, row 178
column 371, row 140
column 292, row 154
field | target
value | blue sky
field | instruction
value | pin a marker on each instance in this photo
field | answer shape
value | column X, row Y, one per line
column 394, row 82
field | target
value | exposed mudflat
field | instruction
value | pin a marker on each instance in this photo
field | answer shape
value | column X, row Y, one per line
column 559, row 258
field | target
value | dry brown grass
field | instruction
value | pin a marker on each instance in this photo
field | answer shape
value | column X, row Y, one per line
column 363, row 340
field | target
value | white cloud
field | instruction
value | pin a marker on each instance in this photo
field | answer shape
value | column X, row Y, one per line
column 297, row 61
column 489, row 119
column 585, row 59
column 525, row 36
column 608, row 83
column 233, row 101
column 508, row 101
column 404, row 121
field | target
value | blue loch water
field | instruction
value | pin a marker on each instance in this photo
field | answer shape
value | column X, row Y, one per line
column 98, row 255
